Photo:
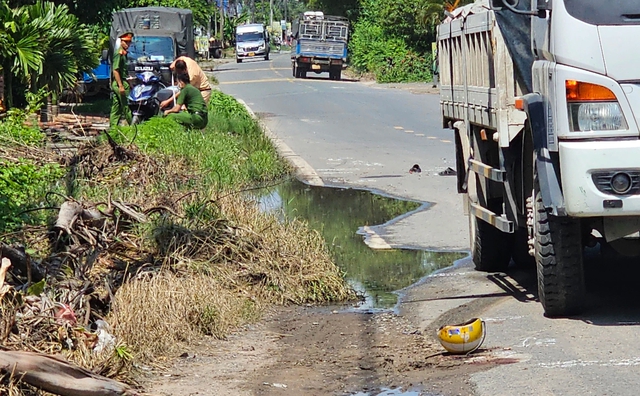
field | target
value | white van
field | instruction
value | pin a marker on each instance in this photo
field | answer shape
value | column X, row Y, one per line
column 252, row 41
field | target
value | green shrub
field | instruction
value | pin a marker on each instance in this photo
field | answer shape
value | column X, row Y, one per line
column 391, row 40
column 23, row 186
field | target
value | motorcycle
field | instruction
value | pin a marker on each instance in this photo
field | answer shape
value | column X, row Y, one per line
column 146, row 95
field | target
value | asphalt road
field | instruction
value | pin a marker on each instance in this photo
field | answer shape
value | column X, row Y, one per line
column 368, row 136
column 361, row 135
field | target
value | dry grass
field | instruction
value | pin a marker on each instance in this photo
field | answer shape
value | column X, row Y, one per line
column 197, row 263
column 220, row 276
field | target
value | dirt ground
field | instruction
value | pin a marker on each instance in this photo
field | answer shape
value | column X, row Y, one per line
column 322, row 351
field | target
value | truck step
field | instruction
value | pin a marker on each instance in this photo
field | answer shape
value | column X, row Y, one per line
column 495, row 220
column 486, row 171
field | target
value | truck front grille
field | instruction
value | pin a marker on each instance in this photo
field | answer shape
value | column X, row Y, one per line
column 602, row 180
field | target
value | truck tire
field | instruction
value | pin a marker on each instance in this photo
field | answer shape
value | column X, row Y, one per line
column 335, row 73
column 294, row 70
column 238, row 60
column 490, row 247
column 558, row 256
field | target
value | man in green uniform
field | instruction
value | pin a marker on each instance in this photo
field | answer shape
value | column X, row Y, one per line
column 119, row 85
column 191, row 98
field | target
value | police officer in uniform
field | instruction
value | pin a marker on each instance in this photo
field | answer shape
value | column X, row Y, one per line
column 119, row 85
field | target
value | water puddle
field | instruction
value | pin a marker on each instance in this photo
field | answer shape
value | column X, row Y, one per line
column 339, row 215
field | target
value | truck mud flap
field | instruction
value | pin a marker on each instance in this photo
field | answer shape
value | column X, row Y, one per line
column 552, row 197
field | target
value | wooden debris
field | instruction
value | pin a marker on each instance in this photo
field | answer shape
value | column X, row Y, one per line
column 55, row 375
column 20, row 262
column 4, row 267
column 69, row 212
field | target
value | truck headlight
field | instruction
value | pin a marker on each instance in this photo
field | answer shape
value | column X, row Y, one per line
column 593, row 108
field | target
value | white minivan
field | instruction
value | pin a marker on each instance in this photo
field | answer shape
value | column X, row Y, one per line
column 252, row 41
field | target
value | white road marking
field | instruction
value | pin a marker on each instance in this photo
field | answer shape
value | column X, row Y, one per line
column 585, row 363
column 533, row 341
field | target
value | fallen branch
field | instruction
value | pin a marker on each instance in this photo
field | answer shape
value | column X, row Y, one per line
column 20, row 262
column 58, row 376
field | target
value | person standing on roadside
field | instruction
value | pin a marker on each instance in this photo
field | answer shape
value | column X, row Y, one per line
column 198, row 78
column 119, row 85
column 190, row 97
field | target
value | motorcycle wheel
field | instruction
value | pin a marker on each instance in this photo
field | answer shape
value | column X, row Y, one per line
column 136, row 119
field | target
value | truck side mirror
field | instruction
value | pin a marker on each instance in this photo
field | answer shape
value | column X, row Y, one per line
column 497, row 5
column 105, row 55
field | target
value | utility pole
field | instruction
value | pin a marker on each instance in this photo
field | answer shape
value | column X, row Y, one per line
column 270, row 12
column 222, row 22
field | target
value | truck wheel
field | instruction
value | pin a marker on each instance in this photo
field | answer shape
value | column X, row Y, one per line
column 335, row 73
column 490, row 247
column 558, row 256
column 238, row 60
column 294, row 70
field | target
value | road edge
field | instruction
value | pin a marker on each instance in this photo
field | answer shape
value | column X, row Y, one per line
column 302, row 168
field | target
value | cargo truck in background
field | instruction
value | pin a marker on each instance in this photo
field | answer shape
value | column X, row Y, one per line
column 161, row 34
column 544, row 101
column 320, row 44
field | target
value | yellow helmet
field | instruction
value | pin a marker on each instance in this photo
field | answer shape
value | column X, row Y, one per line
column 462, row 338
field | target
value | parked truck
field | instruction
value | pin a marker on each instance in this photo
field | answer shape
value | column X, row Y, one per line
column 161, row 34
column 320, row 44
column 544, row 103
column 96, row 81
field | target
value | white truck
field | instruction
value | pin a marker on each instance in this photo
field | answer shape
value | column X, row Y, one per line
column 252, row 41
column 544, row 100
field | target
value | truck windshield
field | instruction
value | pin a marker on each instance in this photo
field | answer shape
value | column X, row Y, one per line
column 244, row 37
column 598, row 12
column 150, row 49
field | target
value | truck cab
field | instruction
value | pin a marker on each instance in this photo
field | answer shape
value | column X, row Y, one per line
column 161, row 34
column 544, row 100
column 252, row 41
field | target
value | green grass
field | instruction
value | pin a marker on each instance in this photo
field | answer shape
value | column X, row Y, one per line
column 231, row 152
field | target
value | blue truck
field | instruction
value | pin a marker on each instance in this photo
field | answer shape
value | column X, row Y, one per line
column 320, row 44
column 97, row 80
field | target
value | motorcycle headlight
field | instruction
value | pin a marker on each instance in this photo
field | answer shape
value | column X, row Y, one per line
column 593, row 108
